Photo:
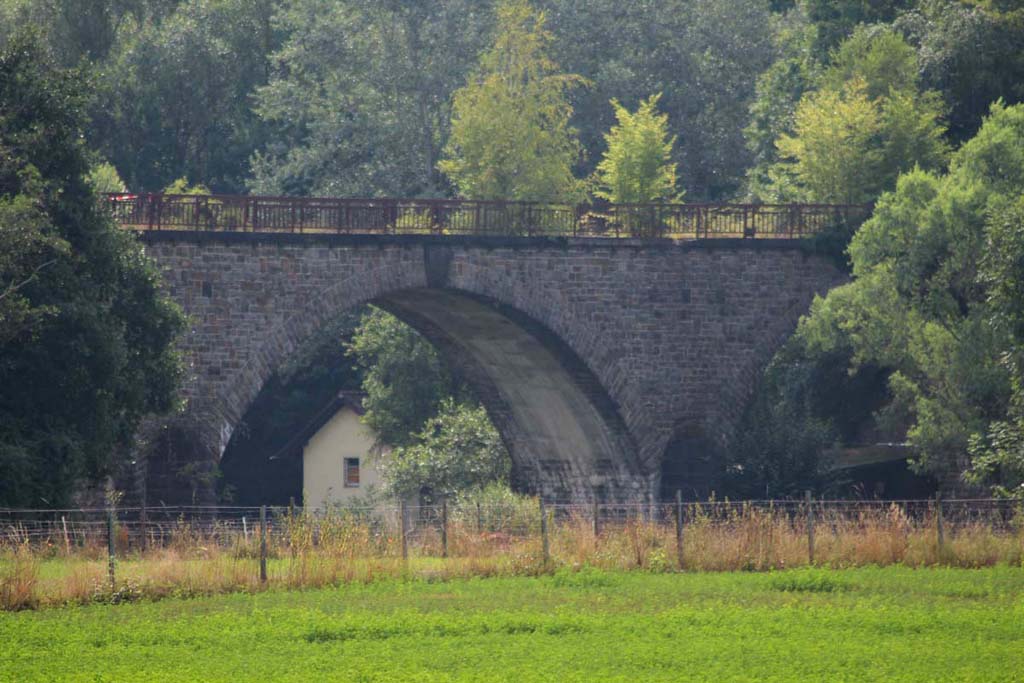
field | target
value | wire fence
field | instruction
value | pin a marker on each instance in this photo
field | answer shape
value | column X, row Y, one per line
column 420, row 528
column 118, row 554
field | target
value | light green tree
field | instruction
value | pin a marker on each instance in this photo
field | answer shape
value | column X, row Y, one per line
column 458, row 452
column 510, row 132
column 867, row 123
column 637, row 166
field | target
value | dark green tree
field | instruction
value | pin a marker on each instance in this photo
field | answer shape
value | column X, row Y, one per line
column 90, row 352
column 404, row 379
column 359, row 102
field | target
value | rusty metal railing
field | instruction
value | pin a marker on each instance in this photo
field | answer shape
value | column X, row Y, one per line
column 233, row 213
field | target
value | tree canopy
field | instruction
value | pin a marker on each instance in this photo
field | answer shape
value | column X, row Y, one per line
column 85, row 335
column 511, row 136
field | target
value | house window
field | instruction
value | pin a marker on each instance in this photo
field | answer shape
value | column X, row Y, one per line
column 352, row 472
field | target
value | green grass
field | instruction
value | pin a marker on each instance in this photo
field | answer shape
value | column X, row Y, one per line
column 892, row 624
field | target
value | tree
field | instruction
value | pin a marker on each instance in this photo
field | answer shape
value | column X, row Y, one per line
column 404, row 379
column 867, row 124
column 510, row 136
column 457, row 452
column 703, row 55
column 971, row 53
column 92, row 353
column 832, row 156
column 172, row 99
column 637, row 166
column 359, row 99
column 921, row 304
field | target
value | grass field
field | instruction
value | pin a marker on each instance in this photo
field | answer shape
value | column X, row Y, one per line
column 866, row 624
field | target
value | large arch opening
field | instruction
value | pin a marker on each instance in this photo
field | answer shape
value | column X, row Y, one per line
column 565, row 435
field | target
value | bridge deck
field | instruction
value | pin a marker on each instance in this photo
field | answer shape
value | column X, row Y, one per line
column 231, row 213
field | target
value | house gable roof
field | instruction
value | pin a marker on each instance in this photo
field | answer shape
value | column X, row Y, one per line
column 352, row 400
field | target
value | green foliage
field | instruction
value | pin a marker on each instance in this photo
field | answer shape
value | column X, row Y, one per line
column 86, row 352
column 920, row 305
column 105, row 179
column 458, row 451
column 510, row 135
column 837, row 20
column 172, row 99
column 181, row 186
column 637, row 166
column 584, row 626
column 971, row 53
column 778, row 91
column 403, row 377
column 703, row 55
column 998, row 454
column 867, row 124
column 806, row 404
column 879, row 56
column 359, row 101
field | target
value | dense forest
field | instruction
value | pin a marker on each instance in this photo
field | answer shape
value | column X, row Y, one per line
column 908, row 104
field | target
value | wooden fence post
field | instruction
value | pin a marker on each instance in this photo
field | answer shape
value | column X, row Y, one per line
column 67, row 540
column 444, row 528
column 679, row 529
column 263, row 544
column 403, row 530
column 143, row 528
column 546, row 548
column 810, row 529
column 479, row 519
column 596, row 518
column 111, row 548
column 940, row 527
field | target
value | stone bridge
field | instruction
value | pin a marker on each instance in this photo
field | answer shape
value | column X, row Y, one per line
column 612, row 368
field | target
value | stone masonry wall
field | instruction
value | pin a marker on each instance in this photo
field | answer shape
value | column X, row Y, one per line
column 675, row 334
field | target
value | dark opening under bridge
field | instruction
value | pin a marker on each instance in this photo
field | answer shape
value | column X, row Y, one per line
column 613, row 347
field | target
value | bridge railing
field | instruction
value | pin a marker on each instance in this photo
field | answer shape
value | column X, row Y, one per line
column 233, row 213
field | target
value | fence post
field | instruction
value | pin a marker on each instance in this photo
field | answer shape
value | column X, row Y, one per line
column 67, row 540
column 546, row 548
column 940, row 530
column 479, row 519
column 679, row 528
column 263, row 544
column 143, row 528
column 810, row 529
column 403, row 530
column 596, row 518
column 444, row 528
column 111, row 548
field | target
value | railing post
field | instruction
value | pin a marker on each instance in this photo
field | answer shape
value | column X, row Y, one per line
column 263, row 544
column 810, row 528
column 679, row 529
column 444, row 528
column 940, row 528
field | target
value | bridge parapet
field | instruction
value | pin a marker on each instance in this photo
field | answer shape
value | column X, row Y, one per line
column 234, row 213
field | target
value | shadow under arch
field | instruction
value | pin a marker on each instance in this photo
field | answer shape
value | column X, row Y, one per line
column 564, row 433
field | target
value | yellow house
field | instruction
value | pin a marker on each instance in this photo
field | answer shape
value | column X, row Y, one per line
column 340, row 455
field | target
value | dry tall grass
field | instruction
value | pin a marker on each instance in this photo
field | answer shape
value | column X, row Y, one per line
column 306, row 551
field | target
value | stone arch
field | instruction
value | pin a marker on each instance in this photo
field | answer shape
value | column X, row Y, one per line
column 564, row 431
